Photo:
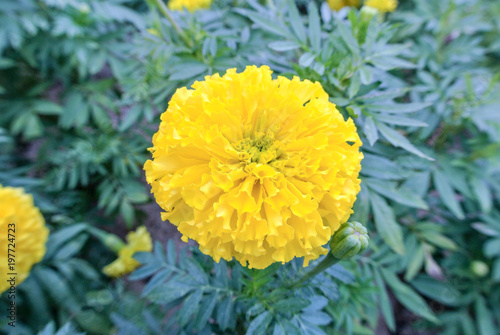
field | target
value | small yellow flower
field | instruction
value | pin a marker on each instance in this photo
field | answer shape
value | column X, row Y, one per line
column 339, row 4
column 255, row 168
column 140, row 240
column 383, row 6
column 190, row 5
column 22, row 235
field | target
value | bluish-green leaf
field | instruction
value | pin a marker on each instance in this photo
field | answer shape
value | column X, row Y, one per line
column 386, row 224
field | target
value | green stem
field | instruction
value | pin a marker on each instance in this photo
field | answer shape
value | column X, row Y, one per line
column 164, row 10
column 328, row 261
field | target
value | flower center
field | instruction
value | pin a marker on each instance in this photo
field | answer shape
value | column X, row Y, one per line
column 261, row 148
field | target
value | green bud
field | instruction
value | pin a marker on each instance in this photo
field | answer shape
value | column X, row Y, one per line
column 479, row 268
column 111, row 241
column 84, row 8
column 351, row 239
column 367, row 13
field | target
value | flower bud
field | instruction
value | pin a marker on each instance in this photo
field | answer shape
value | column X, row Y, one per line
column 367, row 13
column 350, row 240
column 479, row 268
column 113, row 242
column 84, row 8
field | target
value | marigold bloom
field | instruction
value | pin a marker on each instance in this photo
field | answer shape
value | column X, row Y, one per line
column 339, row 4
column 140, row 240
column 383, row 5
column 255, row 168
column 27, row 238
column 190, row 5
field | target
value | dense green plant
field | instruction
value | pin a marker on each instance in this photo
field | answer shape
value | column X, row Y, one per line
column 81, row 87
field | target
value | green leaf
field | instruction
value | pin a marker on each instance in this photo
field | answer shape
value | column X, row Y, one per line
column 442, row 292
column 388, row 63
column 206, row 309
column 401, row 121
column 385, row 303
column 47, row 108
column 484, row 319
column 291, row 305
column 296, row 22
column 439, row 240
column 354, row 85
column 6, row 63
column 348, row 38
column 33, row 127
column 447, row 195
column 482, row 193
column 188, row 71
column 284, row 45
column 386, row 224
column 408, row 297
column 259, row 324
column 190, row 307
column 306, row 59
column 401, row 195
column 264, row 23
column 397, row 108
column 492, row 248
column 416, row 263
column 225, row 312
column 399, row 141
column 314, row 27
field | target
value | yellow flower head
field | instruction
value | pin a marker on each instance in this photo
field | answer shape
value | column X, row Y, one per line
column 255, row 168
column 190, row 5
column 339, row 4
column 140, row 240
column 22, row 235
column 383, row 5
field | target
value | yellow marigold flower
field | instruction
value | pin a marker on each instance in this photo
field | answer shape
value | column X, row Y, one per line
column 23, row 232
column 190, row 5
column 140, row 240
column 339, row 4
column 383, row 5
column 255, row 168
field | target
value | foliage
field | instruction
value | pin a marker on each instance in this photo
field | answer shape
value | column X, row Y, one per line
column 81, row 87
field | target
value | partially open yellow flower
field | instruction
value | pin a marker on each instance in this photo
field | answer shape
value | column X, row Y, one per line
column 339, row 4
column 383, row 5
column 190, row 5
column 255, row 168
column 22, row 235
column 140, row 240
